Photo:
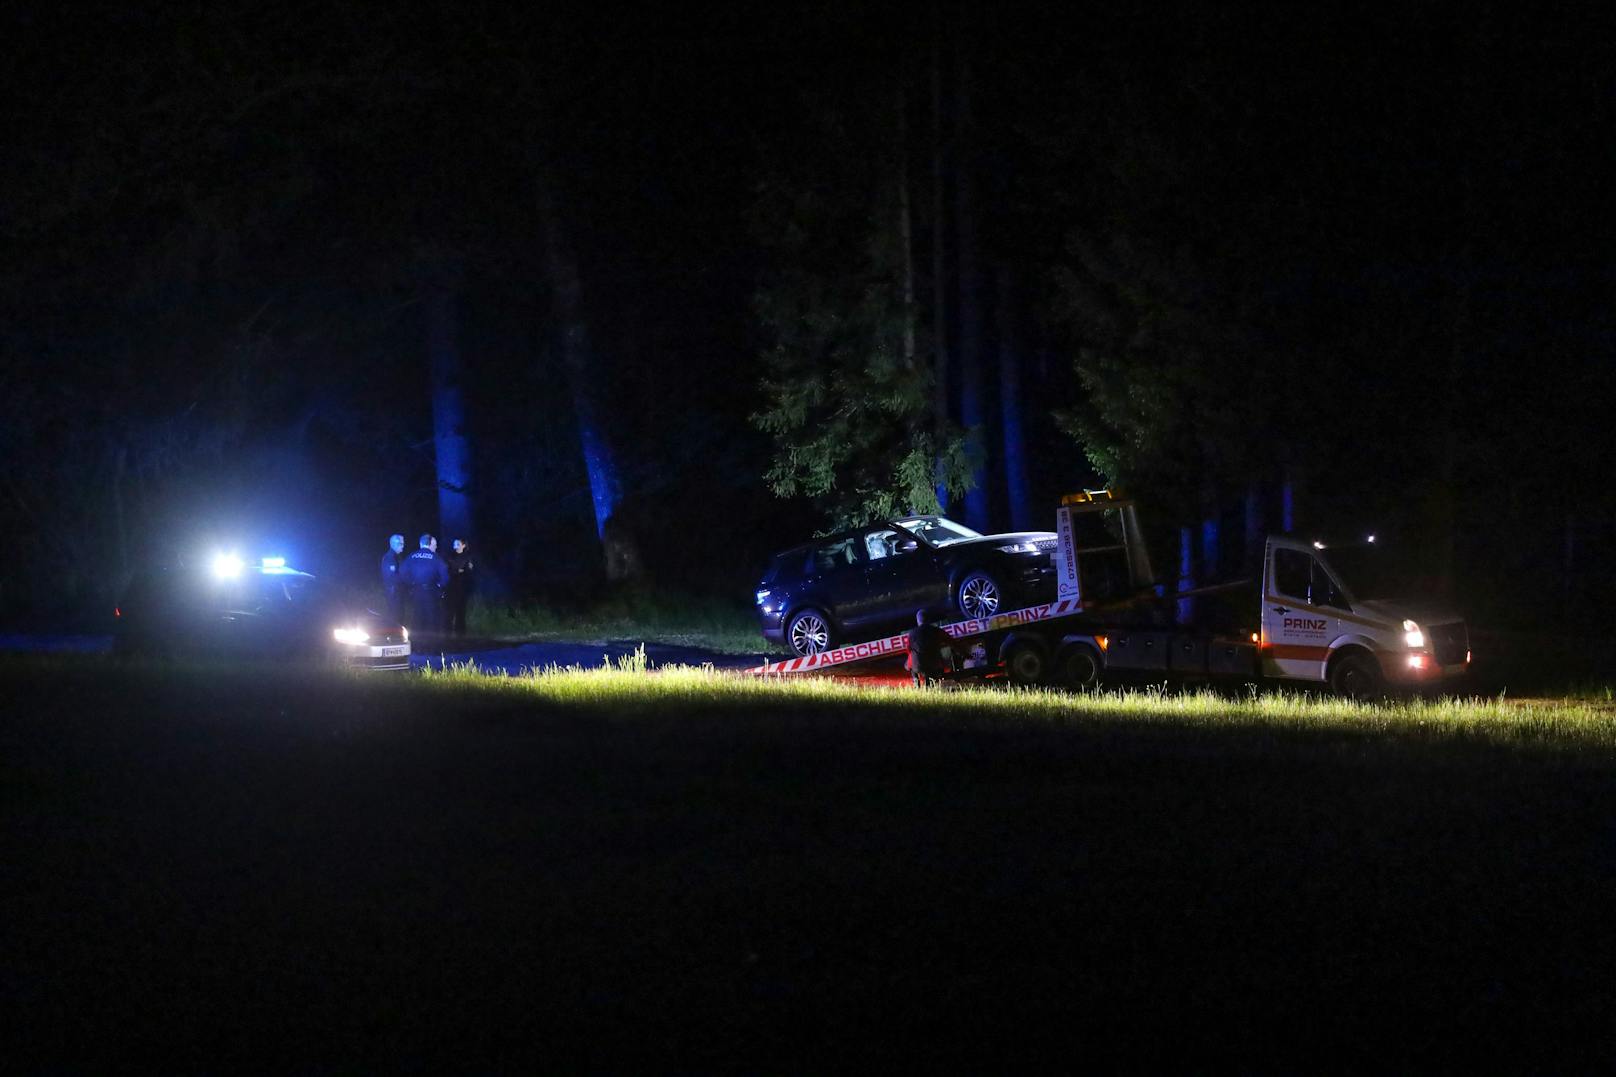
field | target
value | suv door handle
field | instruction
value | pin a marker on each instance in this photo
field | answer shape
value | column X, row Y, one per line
column 1281, row 610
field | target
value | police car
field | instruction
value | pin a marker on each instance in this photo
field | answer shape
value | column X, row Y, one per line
column 228, row 607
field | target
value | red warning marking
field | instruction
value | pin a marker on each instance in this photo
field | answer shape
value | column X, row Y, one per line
column 876, row 648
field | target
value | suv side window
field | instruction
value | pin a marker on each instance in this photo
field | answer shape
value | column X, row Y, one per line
column 882, row 543
column 840, row 553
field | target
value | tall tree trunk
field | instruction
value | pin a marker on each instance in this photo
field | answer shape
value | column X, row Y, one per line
column 585, row 379
column 1186, row 574
column 1251, row 561
column 972, row 413
column 1211, row 545
column 939, row 254
column 1012, row 428
column 1447, row 497
column 450, row 441
column 1288, row 496
column 906, row 228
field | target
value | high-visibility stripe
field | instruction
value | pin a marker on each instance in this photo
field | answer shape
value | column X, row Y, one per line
column 898, row 644
column 1297, row 652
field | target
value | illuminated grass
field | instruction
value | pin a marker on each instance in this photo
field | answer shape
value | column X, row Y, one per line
column 628, row 688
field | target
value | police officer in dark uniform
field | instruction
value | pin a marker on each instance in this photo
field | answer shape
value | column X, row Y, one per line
column 460, row 568
column 392, row 585
column 425, row 574
column 931, row 651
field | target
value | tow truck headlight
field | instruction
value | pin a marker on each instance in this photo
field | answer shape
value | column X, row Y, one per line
column 1413, row 636
column 351, row 636
column 1020, row 547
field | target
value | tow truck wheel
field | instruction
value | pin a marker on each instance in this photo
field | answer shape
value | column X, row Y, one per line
column 808, row 633
column 1026, row 662
column 1357, row 676
column 1079, row 668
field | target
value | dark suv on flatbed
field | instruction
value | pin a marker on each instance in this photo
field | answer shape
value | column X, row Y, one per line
column 856, row 584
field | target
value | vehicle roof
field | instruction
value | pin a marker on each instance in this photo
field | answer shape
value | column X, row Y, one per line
column 895, row 521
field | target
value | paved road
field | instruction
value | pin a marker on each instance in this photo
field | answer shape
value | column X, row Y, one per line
column 493, row 655
column 490, row 655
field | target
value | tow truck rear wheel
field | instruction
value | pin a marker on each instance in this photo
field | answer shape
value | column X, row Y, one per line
column 1357, row 676
column 1026, row 662
column 1079, row 668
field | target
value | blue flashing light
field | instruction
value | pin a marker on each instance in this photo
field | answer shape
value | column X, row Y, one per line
column 274, row 562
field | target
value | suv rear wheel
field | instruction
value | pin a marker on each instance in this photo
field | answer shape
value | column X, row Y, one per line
column 979, row 595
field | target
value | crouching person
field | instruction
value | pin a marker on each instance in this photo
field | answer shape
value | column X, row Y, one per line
column 931, row 652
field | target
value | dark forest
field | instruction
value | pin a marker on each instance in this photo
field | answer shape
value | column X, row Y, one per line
column 634, row 299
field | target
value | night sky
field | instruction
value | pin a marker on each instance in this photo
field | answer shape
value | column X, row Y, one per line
column 1365, row 255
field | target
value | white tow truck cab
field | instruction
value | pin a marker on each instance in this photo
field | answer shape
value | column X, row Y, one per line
column 1314, row 629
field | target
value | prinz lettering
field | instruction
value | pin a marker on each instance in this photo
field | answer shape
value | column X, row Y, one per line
column 1305, row 624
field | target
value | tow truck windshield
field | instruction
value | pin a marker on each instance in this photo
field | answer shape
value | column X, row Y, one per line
column 938, row 530
column 1372, row 573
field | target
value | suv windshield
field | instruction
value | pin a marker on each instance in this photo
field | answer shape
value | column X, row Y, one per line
column 938, row 530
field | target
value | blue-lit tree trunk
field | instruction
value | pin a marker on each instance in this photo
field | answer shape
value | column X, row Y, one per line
column 450, row 441
column 585, row 379
column 1186, row 573
column 972, row 414
column 1012, row 427
column 939, row 259
column 1251, row 561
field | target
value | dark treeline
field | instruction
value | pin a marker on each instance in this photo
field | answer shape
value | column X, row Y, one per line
column 626, row 299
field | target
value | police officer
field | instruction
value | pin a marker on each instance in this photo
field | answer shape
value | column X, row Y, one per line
column 931, row 651
column 460, row 568
column 392, row 585
column 425, row 574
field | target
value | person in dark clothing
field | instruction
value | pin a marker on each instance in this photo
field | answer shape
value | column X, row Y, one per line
column 426, row 576
column 460, row 568
column 931, row 651
column 392, row 585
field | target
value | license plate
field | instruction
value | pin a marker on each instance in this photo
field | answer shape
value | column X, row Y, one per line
column 389, row 652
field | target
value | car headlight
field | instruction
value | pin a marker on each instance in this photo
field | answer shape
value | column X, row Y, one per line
column 351, row 636
column 1020, row 547
column 1412, row 635
column 226, row 566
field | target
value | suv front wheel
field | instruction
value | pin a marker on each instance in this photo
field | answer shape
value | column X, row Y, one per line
column 808, row 633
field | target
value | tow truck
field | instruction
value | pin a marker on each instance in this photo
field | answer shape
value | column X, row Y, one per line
column 1297, row 622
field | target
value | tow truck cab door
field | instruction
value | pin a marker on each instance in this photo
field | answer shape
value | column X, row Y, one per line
column 1302, row 604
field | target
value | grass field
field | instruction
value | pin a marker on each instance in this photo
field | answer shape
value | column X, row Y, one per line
column 210, row 867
